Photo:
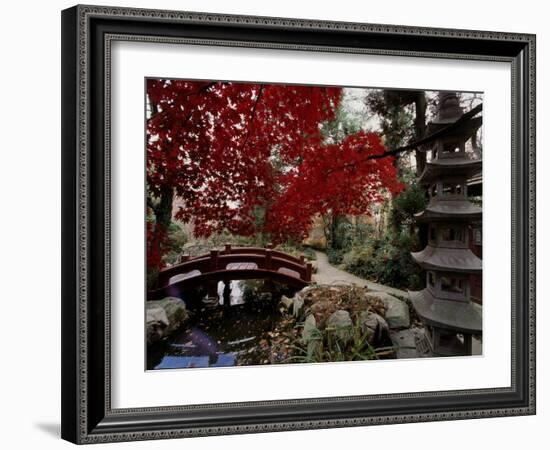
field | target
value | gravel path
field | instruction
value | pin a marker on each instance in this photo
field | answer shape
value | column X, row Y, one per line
column 328, row 274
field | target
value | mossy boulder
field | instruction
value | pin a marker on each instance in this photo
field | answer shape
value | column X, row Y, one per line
column 375, row 326
column 397, row 312
column 164, row 317
column 342, row 324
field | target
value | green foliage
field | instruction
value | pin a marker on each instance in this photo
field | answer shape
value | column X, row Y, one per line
column 395, row 114
column 342, row 237
column 296, row 249
column 345, row 237
column 343, row 125
column 327, row 345
column 177, row 238
column 309, row 253
column 335, row 257
column 362, row 232
column 254, row 291
column 388, row 260
column 152, row 277
column 225, row 237
column 409, row 202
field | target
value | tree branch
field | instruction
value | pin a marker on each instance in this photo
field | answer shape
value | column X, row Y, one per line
column 252, row 115
column 201, row 90
column 432, row 137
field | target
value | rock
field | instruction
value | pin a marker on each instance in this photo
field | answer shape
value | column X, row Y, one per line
column 297, row 305
column 341, row 321
column 287, row 302
column 311, row 336
column 376, row 327
column 397, row 314
column 309, row 331
column 157, row 322
column 305, row 291
column 158, row 315
column 164, row 316
column 322, row 309
column 397, row 311
column 405, row 342
column 314, row 266
column 176, row 311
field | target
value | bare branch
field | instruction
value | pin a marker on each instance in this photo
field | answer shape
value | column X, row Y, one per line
column 428, row 139
column 252, row 116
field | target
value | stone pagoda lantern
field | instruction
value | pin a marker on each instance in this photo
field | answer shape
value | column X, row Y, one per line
column 444, row 306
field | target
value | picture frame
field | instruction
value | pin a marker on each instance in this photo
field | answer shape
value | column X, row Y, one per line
column 87, row 412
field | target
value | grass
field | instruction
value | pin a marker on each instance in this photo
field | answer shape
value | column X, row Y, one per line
column 328, row 345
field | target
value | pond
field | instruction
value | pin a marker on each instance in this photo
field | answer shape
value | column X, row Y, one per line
column 220, row 336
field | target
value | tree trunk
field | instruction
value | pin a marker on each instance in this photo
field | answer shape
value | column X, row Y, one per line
column 163, row 217
column 163, row 210
column 420, row 129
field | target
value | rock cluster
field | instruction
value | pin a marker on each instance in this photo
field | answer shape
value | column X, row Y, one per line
column 163, row 317
column 343, row 307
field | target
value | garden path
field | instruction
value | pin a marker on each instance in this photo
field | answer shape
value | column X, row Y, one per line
column 328, row 274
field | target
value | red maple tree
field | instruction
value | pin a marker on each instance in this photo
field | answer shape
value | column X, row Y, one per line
column 230, row 150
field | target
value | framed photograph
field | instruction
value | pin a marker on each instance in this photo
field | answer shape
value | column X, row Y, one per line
column 282, row 224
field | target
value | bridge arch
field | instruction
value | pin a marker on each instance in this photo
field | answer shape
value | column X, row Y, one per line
column 233, row 263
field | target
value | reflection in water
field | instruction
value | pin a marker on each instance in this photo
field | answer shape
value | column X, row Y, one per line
column 236, row 295
column 221, row 337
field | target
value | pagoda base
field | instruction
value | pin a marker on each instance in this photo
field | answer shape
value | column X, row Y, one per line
column 449, row 324
column 459, row 316
column 445, row 343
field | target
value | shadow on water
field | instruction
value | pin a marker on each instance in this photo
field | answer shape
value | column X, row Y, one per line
column 221, row 336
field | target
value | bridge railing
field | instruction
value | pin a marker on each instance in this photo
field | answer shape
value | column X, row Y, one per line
column 230, row 249
column 217, row 260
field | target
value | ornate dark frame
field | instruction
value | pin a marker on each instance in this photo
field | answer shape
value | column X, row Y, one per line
column 87, row 416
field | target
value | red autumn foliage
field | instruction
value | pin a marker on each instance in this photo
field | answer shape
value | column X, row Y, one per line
column 337, row 179
column 231, row 149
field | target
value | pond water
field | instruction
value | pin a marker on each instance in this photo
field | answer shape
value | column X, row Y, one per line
column 218, row 336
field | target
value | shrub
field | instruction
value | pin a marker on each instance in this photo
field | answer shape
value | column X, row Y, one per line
column 309, row 253
column 343, row 234
column 296, row 250
column 335, row 256
column 410, row 201
column 177, row 238
column 388, row 260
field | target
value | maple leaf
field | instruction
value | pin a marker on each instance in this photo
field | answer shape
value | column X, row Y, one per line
column 231, row 150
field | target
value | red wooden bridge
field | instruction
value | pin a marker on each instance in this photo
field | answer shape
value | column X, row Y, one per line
column 232, row 263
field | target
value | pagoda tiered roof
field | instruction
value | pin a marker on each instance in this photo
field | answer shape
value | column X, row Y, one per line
column 463, row 317
column 464, row 129
column 448, row 112
column 446, row 259
column 445, row 304
column 455, row 167
column 452, row 209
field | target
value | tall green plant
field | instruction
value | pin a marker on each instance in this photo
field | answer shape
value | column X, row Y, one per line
column 327, row 345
